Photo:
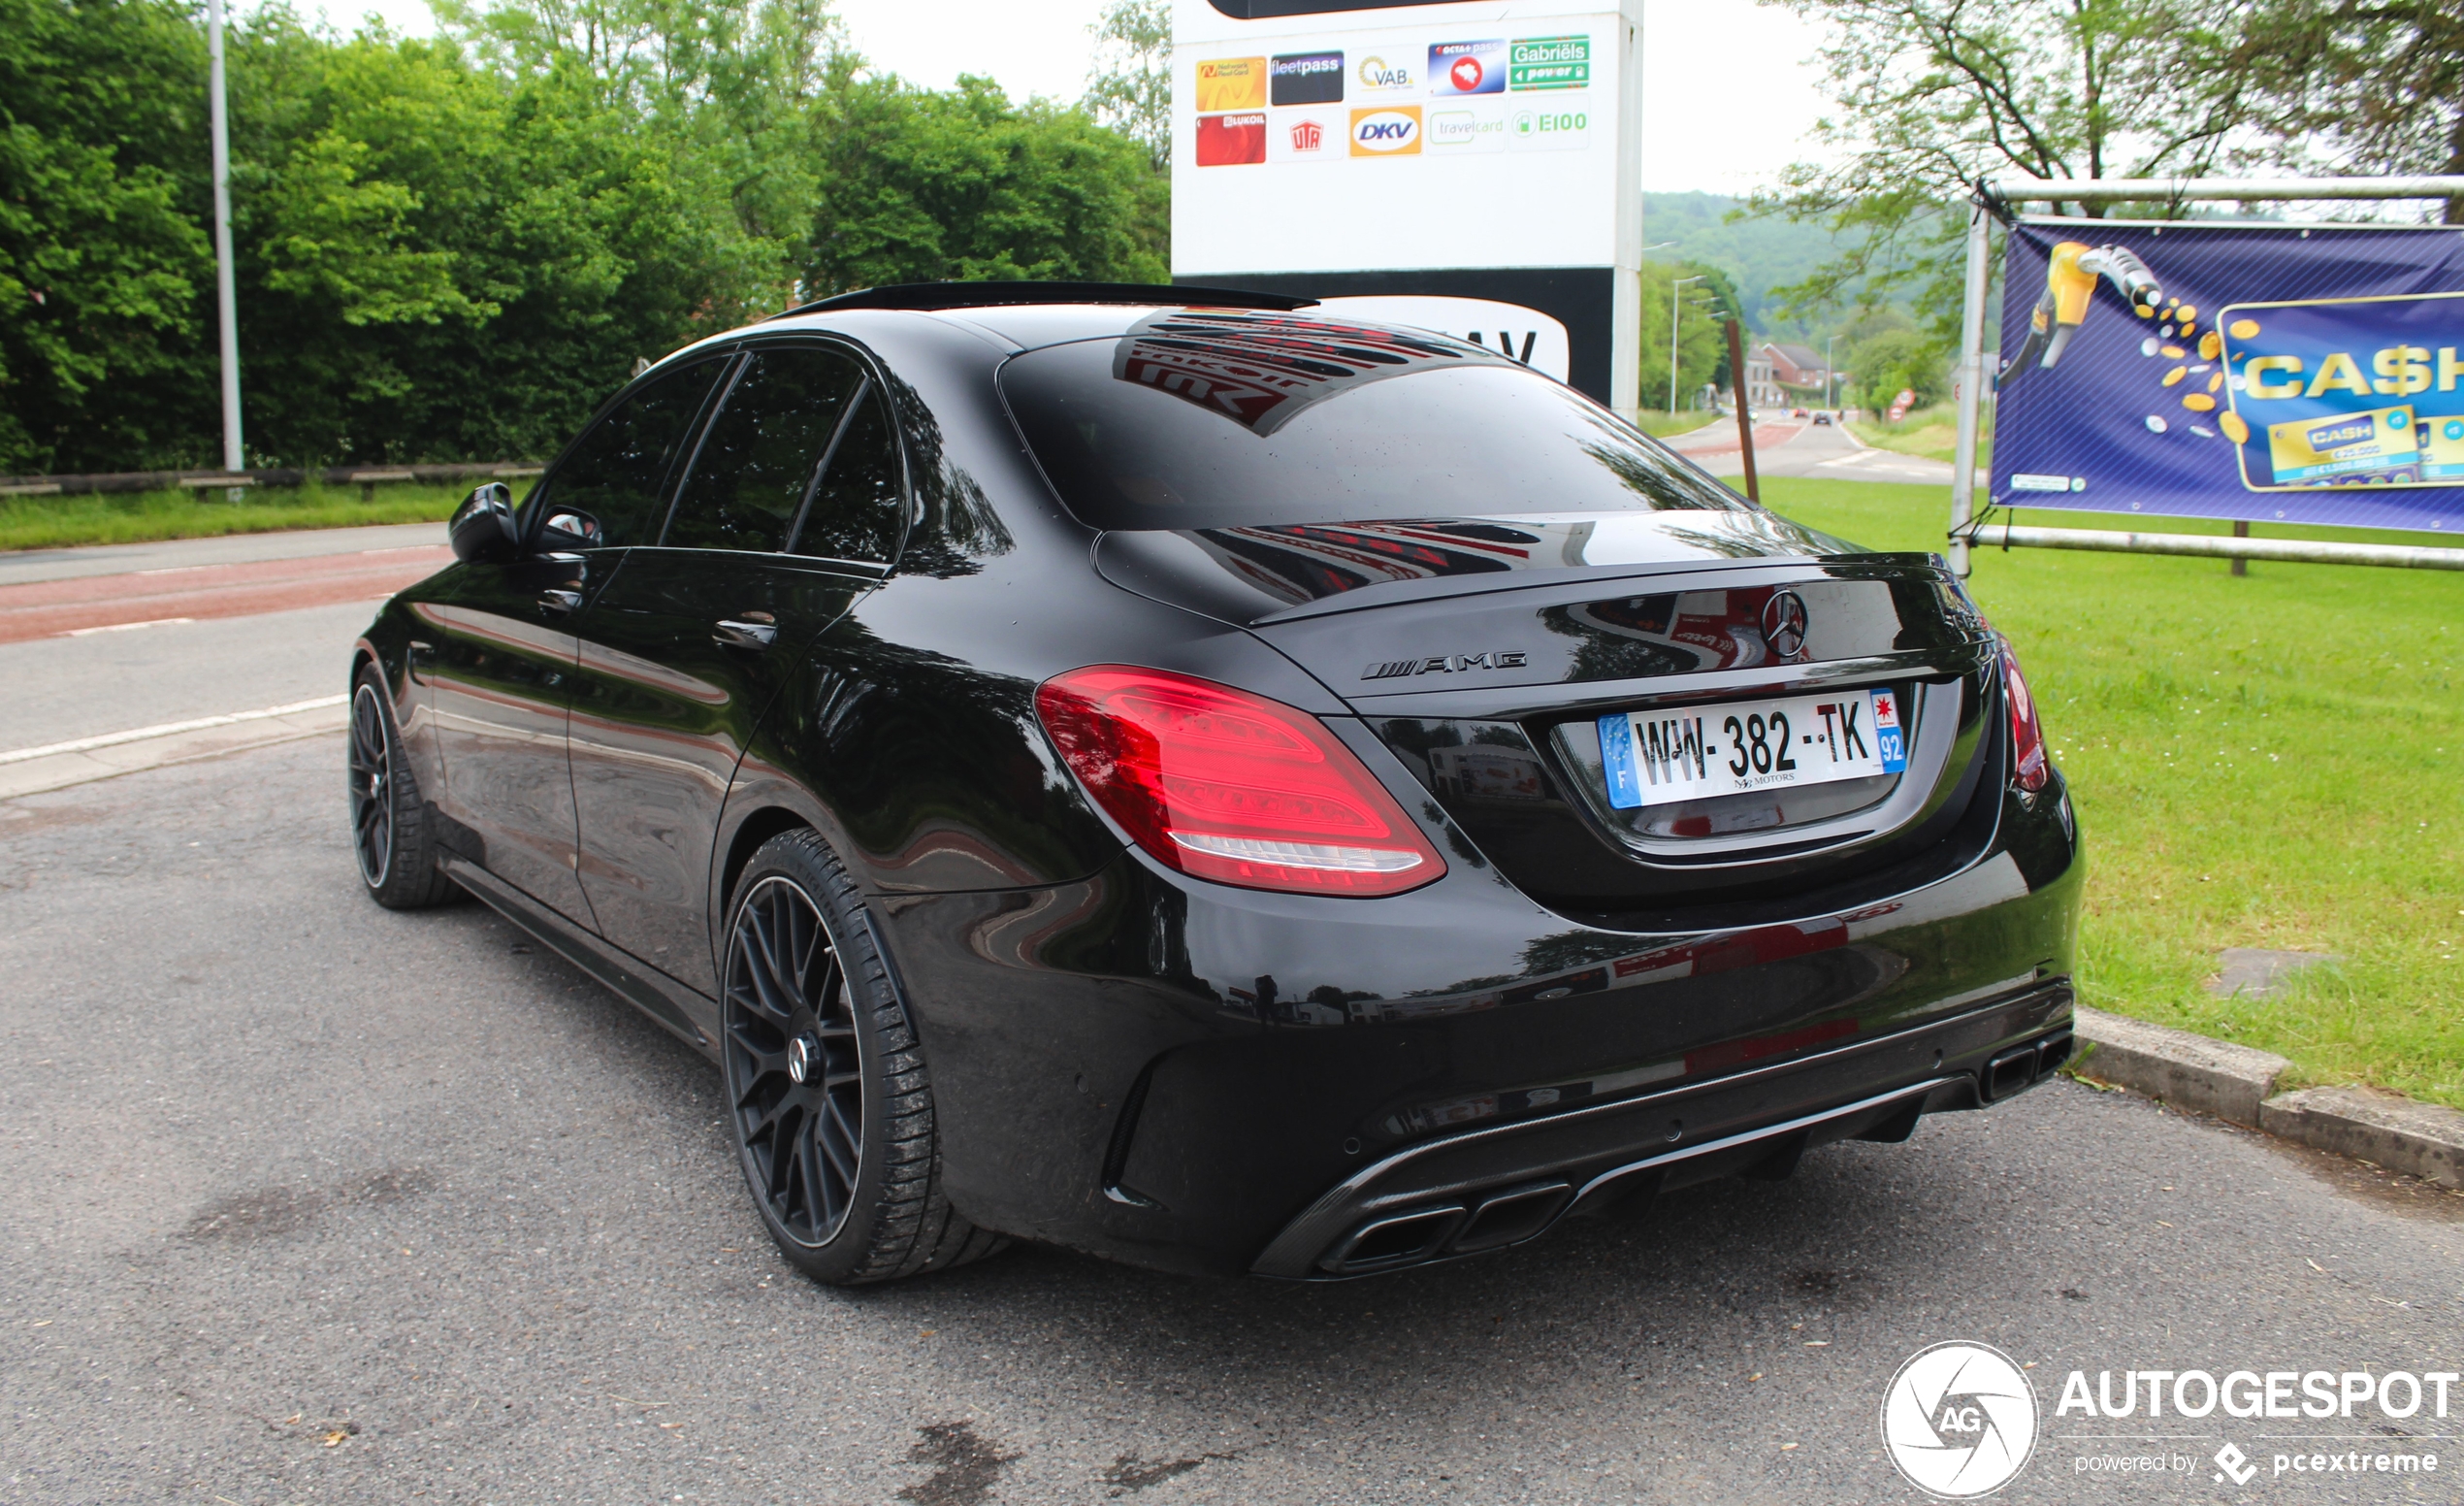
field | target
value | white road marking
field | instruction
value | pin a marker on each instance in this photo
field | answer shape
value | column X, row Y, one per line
column 123, row 627
column 168, row 728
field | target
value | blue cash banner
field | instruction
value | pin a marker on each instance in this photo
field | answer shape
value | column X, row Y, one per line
column 2303, row 374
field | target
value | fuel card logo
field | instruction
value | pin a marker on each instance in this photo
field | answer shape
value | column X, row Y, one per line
column 1386, row 131
column 1959, row 1420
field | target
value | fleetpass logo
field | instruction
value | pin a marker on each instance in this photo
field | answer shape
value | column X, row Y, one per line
column 1959, row 1420
column 1389, row 131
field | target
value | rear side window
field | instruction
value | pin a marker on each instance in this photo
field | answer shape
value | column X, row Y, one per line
column 616, row 476
column 761, row 461
column 857, row 511
column 1199, row 419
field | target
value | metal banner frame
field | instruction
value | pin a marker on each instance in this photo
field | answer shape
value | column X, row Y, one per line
column 1969, row 377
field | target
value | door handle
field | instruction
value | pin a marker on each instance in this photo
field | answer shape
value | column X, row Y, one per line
column 560, row 601
column 754, row 637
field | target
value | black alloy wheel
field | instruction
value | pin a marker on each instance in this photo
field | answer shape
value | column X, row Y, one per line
column 371, row 792
column 798, row 1078
column 826, row 1080
column 389, row 826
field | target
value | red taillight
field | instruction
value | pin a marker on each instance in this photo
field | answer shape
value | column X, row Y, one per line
column 2030, row 767
column 1232, row 787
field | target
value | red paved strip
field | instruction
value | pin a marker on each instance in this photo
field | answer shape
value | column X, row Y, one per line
column 1766, row 437
column 48, row 609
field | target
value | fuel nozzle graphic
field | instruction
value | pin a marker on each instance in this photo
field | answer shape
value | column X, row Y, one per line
column 2070, row 286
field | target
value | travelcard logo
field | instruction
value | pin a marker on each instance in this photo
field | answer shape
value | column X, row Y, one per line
column 1306, row 79
column 1390, row 131
column 1466, row 130
column 1959, row 1420
column 1231, row 140
column 1467, row 66
column 1378, row 76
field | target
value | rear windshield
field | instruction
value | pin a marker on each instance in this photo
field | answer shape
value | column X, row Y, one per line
column 1196, row 419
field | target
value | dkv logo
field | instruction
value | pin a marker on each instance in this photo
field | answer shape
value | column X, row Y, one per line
column 1959, row 1420
column 1388, row 131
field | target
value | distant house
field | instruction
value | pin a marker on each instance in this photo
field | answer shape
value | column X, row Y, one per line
column 1762, row 388
column 1798, row 376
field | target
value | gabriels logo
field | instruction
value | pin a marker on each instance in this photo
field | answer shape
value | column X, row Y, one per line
column 1389, row 131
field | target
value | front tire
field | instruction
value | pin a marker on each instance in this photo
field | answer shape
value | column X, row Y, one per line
column 389, row 826
column 828, row 1093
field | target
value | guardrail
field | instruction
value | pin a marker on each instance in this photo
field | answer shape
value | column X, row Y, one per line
column 366, row 477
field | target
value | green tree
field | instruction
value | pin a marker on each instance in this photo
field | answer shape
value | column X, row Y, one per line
column 106, row 290
column 921, row 185
column 1700, row 305
column 2371, row 85
column 1131, row 88
column 1932, row 95
column 1895, row 361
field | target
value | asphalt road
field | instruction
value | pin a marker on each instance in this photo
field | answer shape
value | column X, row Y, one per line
column 1797, row 446
column 304, row 1200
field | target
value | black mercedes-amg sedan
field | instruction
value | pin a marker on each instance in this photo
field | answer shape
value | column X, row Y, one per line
column 1158, row 772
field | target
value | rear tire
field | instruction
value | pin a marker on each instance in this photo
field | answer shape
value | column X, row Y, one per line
column 389, row 826
column 827, row 1091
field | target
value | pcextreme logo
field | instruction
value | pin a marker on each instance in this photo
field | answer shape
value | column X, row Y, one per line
column 1386, row 131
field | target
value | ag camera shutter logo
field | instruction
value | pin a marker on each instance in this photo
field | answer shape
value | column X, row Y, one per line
column 1959, row 1420
column 1386, row 131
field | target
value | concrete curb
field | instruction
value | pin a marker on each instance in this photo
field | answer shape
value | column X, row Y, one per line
column 58, row 770
column 2238, row 1083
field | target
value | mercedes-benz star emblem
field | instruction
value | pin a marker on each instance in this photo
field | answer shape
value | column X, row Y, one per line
column 1784, row 624
column 800, row 1055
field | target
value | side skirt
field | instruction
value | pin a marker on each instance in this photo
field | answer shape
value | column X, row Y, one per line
column 687, row 1014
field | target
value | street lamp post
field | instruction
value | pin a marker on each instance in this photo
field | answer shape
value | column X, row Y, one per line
column 234, row 454
column 1676, row 305
column 1830, row 374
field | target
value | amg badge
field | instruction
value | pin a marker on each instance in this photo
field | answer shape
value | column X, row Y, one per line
column 1443, row 664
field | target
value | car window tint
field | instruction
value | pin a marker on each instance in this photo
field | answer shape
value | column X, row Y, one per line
column 617, row 476
column 1214, row 419
column 858, row 510
column 758, row 463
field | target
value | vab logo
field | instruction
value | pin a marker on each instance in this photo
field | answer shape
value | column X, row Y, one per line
column 1308, row 136
column 1375, row 73
column 1445, row 664
column 1959, row 1420
column 1390, row 131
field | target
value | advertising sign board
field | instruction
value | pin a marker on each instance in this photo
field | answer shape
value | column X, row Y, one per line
column 1460, row 151
column 2261, row 372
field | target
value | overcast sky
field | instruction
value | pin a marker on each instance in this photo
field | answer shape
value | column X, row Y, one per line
column 1727, row 96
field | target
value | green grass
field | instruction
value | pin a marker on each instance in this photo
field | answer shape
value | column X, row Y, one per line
column 1659, row 424
column 132, row 517
column 1932, row 431
column 2274, row 761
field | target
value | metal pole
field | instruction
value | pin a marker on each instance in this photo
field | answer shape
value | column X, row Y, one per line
column 1676, row 305
column 1830, row 374
column 1744, row 417
column 2108, row 190
column 234, row 454
column 2304, row 551
column 1967, row 384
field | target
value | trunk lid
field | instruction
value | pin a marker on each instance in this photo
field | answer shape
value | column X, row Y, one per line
column 1485, row 653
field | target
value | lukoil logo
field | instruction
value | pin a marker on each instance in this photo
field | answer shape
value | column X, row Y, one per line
column 1389, row 131
column 1959, row 1420
column 1375, row 73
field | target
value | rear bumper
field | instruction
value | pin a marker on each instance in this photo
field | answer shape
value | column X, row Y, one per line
column 1195, row 1078
column 1486, row 1189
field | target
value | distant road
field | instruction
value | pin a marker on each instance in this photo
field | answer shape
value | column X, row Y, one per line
column 109, row 640
column 1798, row 447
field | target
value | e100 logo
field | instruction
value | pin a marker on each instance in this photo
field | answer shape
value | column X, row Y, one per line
column 1552, row 123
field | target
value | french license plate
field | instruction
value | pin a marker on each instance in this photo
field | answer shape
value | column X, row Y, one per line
column 1654, row 758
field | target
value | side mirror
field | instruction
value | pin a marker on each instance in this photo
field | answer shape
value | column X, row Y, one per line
column 483, row 528
column 567, row 528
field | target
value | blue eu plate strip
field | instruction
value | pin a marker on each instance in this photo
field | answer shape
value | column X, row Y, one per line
column 1617, row 757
